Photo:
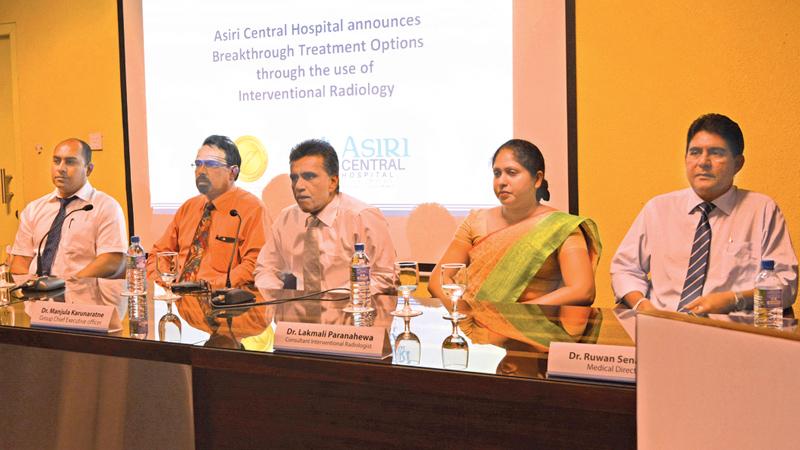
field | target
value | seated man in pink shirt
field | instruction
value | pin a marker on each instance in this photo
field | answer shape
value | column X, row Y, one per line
column 699, row 249
column 315, row 239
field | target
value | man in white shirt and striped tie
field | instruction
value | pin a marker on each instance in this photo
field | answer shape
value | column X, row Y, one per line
column 699, row 249
column 80, row 242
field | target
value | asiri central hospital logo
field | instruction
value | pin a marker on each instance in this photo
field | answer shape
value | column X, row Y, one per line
column 373, row 161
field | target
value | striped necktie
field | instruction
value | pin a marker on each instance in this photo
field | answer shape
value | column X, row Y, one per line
column 199, row 244
column 312, row 267
column 51, row 247
column 698, row 262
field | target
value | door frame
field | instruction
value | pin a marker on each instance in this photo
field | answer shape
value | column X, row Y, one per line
column 9, row 29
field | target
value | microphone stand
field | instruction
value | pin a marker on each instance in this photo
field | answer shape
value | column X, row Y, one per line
column 46, row 282
column 230, row 296
column 88, row 207
column 233, row 213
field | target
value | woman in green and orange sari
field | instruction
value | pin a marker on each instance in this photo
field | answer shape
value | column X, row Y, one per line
column 523, row 251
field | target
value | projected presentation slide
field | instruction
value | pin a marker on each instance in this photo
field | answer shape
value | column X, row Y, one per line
column 415, row 96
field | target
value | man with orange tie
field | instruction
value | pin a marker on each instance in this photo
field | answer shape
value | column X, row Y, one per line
column 204, row 228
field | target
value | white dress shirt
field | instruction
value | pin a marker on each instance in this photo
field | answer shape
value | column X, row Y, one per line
column 344, row 222
column 746, row 227
column 84, row 234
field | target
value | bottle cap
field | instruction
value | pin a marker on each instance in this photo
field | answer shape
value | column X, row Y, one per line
column 134, row 239
column 767, row 264
column 360, row 247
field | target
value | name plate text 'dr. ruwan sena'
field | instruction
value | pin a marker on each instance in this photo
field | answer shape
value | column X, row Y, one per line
column 73, row 316
column 345, row 340
column 592, row 362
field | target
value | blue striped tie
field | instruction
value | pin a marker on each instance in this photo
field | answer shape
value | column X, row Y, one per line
column 698, row 262
column 51, row 246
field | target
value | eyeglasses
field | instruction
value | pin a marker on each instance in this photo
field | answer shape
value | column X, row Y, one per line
column 208, row 163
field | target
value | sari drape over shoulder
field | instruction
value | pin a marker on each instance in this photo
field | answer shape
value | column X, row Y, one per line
column 512, row 261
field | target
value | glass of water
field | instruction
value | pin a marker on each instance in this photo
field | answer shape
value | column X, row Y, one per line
column 5, row 292
column 407, row 277
column 454, row 283
column 167, row 268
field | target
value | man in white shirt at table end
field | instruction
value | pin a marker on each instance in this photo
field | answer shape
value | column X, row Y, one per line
column 314, row 239
column 82, row 242
column 699, row 249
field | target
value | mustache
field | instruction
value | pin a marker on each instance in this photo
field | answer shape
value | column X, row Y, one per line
column 201, row 178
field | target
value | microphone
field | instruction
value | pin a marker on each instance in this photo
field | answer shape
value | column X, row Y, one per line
column 230, row 296
column 233, row 213
column 39, row 273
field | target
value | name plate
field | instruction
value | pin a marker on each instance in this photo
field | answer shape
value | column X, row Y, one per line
column 345, row 340
column 73, row 316
column 593, row 362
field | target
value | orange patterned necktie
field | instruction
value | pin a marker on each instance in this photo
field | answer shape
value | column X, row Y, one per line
column 199, row 244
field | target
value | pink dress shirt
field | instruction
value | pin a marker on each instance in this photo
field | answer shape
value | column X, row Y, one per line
column 746, row 227
column 345, row 221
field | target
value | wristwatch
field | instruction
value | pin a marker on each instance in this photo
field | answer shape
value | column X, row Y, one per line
column 740, row 303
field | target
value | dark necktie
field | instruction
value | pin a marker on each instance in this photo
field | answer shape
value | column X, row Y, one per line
column 698, row 262
column 51, row 247
column 199, row 245
column 312, row 267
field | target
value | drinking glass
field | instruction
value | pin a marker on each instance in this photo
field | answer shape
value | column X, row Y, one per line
column 407, row 273
column 169, row 327
column 167, row 268
column 455, row 350
column 5, row 292
column 454, row 283
column 407, row 347
column 5, row 266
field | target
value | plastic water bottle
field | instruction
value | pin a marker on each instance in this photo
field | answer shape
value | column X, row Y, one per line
column 135, row 283
column 135, row 271
column 768, row 297
column 359, row 279
column 137, row 316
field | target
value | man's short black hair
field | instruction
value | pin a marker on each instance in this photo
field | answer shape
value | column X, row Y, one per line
column 723, row 127
column 317, row 147
column 224, row 143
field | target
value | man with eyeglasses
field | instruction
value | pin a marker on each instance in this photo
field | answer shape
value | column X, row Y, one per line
column 698, row 250
column 203, row 230
column 79, row 230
